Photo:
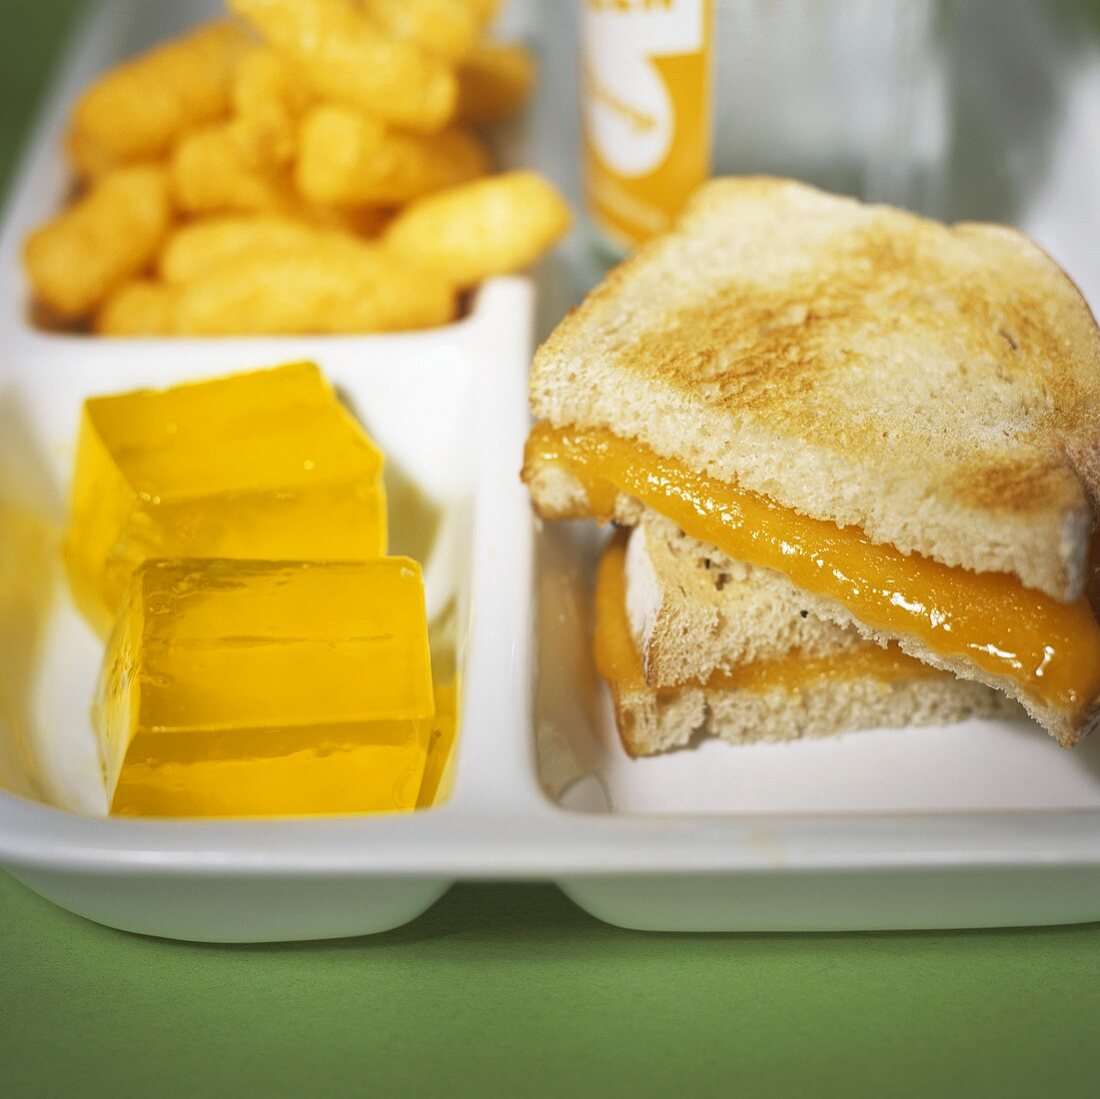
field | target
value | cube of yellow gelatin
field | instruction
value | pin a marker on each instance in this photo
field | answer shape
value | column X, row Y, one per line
column 240, row 688
column 266, row 465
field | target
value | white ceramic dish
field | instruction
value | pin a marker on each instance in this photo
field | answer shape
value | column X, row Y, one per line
column 981, row 824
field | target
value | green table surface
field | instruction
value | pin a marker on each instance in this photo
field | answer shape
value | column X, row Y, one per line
column 510, row 989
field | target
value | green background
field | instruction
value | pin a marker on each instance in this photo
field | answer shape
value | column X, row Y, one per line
column 510, row 989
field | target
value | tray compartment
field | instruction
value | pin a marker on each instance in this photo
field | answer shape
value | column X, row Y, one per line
column 446, row 405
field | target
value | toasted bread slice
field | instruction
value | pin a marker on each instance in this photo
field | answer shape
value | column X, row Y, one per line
column 937, row 387
column 695, row 614
column 650, row 721
column 799, row 677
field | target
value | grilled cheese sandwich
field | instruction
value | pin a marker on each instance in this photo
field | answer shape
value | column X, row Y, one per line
column 901, row 417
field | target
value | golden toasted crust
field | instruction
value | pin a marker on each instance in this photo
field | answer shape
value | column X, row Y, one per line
column 650, row 721
column 937, row 387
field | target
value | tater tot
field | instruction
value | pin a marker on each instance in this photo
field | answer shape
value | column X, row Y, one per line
column 209, row 178
column 268, row 102
column 447, row 28
column 489, row 227
column 209, row 243
column 346, row 57
column 139, row 308
column 209, row 175
column 137, row 110
column 104, row 239
column 319, row 290
column 346, row 158
column 494, row 82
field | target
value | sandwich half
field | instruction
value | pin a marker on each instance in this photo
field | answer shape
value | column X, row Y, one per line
column 694, row 644
column 901, row 417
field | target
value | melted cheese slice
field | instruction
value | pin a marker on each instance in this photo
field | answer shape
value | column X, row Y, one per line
column 620, row 663
column 1050, row 649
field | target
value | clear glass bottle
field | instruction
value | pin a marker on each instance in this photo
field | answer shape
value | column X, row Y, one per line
column 850, row 95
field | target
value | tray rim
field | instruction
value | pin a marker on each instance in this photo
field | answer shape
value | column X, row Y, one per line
column 498, row 823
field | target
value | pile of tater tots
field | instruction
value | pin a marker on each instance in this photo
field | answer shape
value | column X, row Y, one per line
column 303, row 166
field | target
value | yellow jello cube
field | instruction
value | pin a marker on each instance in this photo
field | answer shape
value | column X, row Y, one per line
column 236, row 688
column 266, row 465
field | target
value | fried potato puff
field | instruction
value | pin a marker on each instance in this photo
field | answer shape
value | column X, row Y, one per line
column 209, row 175
column 345, row 56
column 489, row 227
column 494, row 82
column 268, row 103
column 322, row 289
column 107, row 237
column 139, row 308
column 348, row 158
column 449, row 29
column 137, row 110
column 209, row 243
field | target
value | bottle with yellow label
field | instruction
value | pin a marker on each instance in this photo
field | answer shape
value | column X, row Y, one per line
column 849, row 96
column 645, row 95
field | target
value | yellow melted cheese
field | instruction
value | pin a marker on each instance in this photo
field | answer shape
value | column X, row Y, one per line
column 1051, row 649
column 619, row 662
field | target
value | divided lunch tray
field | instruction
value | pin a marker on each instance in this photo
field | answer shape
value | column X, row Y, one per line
column 984, row 823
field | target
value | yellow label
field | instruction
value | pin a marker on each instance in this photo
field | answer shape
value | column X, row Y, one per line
column 645, row 93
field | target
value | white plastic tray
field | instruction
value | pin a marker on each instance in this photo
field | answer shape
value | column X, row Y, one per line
column 980, row 824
